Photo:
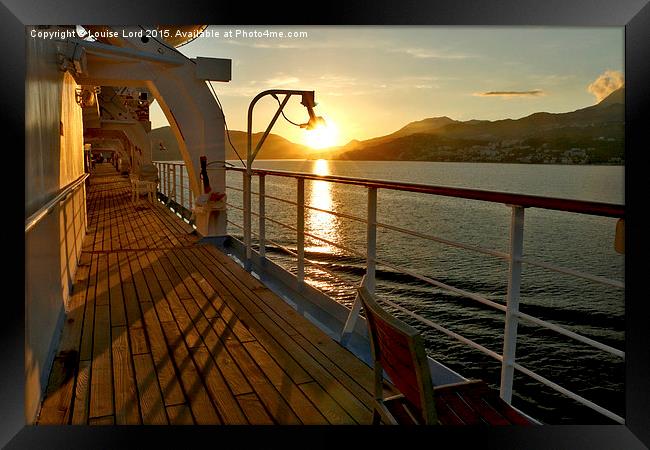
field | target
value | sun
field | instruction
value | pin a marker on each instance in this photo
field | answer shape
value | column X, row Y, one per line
column 323, row 136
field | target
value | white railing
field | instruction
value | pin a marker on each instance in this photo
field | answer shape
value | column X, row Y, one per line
column 174, row 184
column 515, row 259
column 518, row 203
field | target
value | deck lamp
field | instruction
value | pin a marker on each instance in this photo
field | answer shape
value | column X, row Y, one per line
column 313, row 122
column 309, row 103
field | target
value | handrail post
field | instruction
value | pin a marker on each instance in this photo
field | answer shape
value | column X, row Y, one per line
column 262, row 212
column 174, row 182
column 369, row 279
column 371, row 239
column 182, row 186
column 167, row 181
column 247, row 215
column 191, row 195
column 512, row 302
column 300, row 219
column 157, row 166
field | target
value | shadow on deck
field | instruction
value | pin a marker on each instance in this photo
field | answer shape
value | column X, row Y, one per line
column 161, row 329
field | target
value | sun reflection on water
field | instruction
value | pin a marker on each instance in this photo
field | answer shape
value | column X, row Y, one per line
column 319, row 195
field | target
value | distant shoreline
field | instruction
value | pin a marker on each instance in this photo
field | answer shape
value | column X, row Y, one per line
column 415, row 161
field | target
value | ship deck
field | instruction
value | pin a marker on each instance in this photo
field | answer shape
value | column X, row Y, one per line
column 163, row 329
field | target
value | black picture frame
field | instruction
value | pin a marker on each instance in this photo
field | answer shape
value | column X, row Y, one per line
column 634, row 15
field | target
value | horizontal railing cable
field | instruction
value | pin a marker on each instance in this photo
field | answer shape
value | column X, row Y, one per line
column 571, row 334
column 445, row 241
column 445, row 330
column 569, row 394
column 575, row 273
column 317, row 264
column 442, row 285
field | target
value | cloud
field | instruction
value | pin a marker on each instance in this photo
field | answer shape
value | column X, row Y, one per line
column 551, row 79
column 510, row 94
column 281, row 81
column 332, row 81
column 606, row 83
column 427, row 53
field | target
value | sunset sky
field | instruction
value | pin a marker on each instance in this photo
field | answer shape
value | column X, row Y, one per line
column 371, row 81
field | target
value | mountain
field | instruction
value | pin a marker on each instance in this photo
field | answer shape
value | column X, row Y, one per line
column 426, row 126
column 592, row 135
column 275, row 147
column 589, row 135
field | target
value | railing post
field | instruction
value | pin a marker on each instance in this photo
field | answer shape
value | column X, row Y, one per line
column 157, row 166
column 174, row 182
column 262, row 211
column 369, row 278
column 300, row 238
column 166, row 180
column 512, row 302
column 182, row 186
column 247, row 216
column 191, row 194
column 371, row 239
column 169, row 183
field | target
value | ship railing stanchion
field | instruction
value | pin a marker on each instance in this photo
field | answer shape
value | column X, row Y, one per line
column 262, row 212
column 166, row 172
column 512, row 302
column 300, row 243
column 191, row 194
column 371, row 255
column 182, row 186
column 169, row 183
column 247, row 216
column 174, row 182
column 371, row 245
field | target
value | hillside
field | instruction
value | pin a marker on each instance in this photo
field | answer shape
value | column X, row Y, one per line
column 592, row 135
column 275, row 147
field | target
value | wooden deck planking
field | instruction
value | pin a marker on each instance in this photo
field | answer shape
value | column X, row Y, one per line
column 152, row 406
column 278, row 336
column 168, row 330
column 101, row 386
column 254, row 410
column 217, row 387
column 85, row 352
column 216, row 347
column 199, row 401
column 118, row 313
column 180, row 415
column 340, row 361
column 277, row 406
column 270, row 332
column 80, row 405
column 162, row 359
column 126, row 400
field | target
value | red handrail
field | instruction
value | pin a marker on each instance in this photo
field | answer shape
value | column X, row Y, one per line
column 527, row 201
